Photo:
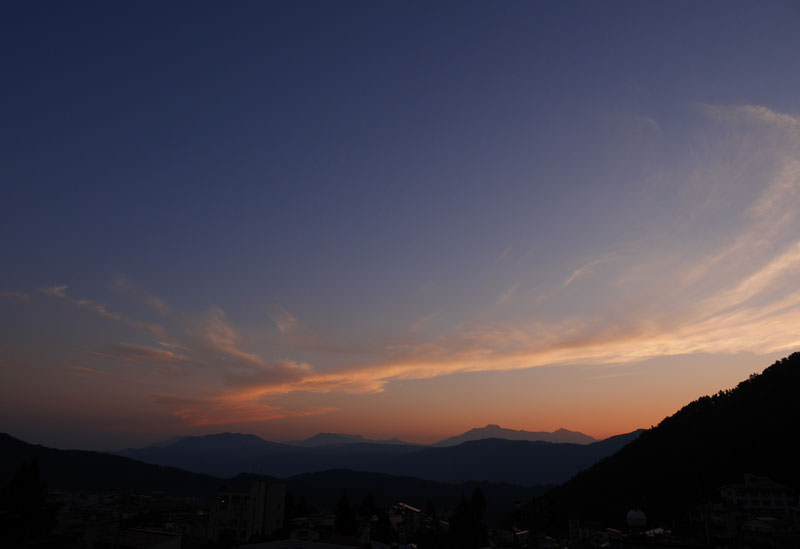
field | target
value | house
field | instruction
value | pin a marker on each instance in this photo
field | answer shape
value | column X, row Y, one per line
column 759, row 494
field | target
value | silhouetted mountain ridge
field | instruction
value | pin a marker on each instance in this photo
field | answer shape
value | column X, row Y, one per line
column 495, row 431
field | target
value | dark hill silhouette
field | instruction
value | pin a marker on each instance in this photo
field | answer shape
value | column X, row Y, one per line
column 514, row 461
column 222, row 454
column 325, row 488
column 495, row 431
column 79, row 469
column 211, row 454
column 684, row 460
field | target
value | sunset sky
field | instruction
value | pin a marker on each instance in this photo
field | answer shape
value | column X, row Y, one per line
column 391, row 218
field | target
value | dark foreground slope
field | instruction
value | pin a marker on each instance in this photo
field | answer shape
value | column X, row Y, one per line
column 683, row 461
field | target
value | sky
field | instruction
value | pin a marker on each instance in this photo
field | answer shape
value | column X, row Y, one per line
column 395, row 219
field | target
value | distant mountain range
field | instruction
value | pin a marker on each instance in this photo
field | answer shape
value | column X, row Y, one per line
column 478, row 433
column 494, row 459
column 685, row 460
column 100, row 472
column 495, row 431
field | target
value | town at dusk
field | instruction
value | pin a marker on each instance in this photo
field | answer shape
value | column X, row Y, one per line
column 399, row 229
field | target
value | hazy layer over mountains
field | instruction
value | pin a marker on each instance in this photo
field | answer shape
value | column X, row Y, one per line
column 194, row 462
column 101, row 472
column 528, row 462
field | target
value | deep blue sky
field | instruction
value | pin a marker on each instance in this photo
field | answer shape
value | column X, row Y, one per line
column 316, row 200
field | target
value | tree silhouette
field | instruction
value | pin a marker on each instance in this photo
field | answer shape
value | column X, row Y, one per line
column 467, row 528
column 345, row 516
column 24, row 499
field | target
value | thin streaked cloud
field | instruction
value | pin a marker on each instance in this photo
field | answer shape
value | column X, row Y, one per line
column 99, row 309
column 127, row 352
column 751, row 313
column 14, row 296
column 583, row 270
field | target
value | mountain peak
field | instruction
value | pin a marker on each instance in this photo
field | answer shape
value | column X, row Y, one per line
column 492, row 430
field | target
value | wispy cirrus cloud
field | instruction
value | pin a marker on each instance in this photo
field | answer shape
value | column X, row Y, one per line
column 158, row 305
column 737, row 295
column 202, row 412
column 286, row 322
column 754, row 311
column 14, row 296
column 127, row 352
column 220, row 344
column 423, row 323
column 123, row 284
column 767, row 219
column 297, row 336
column 99, row 309
column 506, row 296
column 220, row 338
column 583, row 270
column 743, row 114
column 273, row 372
column 55, row 291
